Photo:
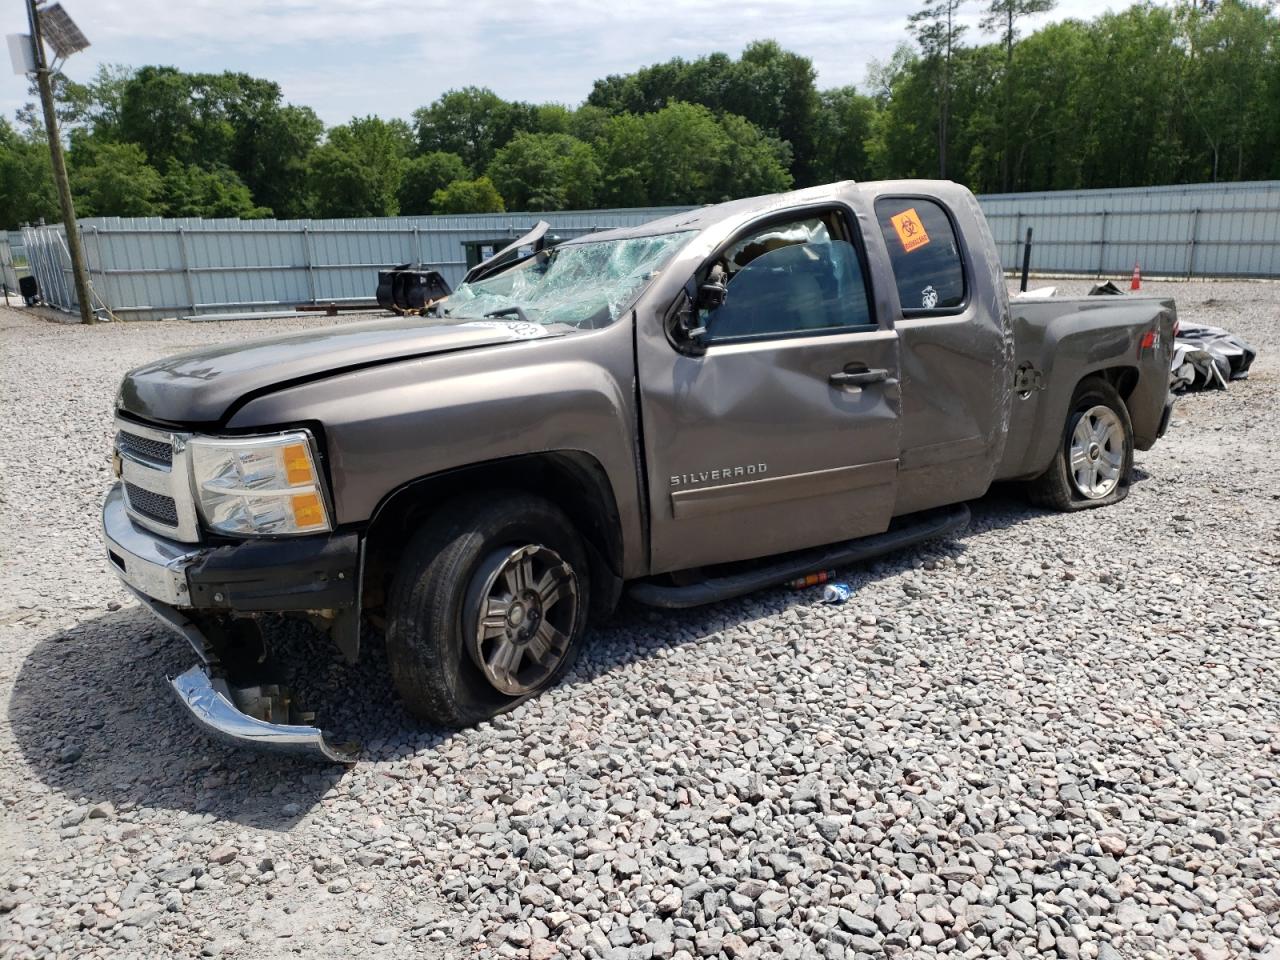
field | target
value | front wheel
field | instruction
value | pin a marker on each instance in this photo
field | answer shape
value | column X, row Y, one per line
column 488, row 607
column 1095, row 455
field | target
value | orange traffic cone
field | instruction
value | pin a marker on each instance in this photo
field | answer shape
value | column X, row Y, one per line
column 1135, row 282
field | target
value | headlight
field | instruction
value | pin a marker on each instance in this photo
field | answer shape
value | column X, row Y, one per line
column 259, row 485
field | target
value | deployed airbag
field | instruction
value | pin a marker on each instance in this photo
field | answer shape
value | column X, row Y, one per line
column 1208, row 357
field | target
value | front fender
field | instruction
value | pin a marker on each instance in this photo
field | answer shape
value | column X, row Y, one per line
column 386, row 426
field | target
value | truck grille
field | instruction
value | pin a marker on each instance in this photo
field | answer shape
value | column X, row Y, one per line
column 154, row 465
column 155, row 506
column 157, row 451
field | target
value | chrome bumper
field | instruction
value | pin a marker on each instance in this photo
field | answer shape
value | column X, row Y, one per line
column 155, row 571
column 145, row 561
column 213, row 710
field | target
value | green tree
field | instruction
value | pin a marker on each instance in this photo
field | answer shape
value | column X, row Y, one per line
column 472, row 122
column 1002, row 16
column 667, row 157
column 551, row 118
column 27, row 194
column 103, row 98
column 883, row 74
column 770, row 86
column 935, row 29
column 588, row 123
column 212, row 121
column 625, row 161
column 92, row 107
column 683, row 154
column 469, row 196
column 270, row 155
column 1267, row 155
column 1225, row 81
column 1135, row 58
column 113, row 180
column 903, row 141
column 1147, row 95
column 159, row 109
column 651, row 88
column 424, row 175
column 192, row 191
column 356, row 172
column 546, row 171
column 841, row 130
column 774, row 89
column 1055, row 124
column 750, row 161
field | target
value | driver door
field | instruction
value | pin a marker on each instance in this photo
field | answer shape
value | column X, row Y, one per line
column 784, row 433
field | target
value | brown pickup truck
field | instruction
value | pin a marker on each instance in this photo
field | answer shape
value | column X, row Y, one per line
column 691, row 409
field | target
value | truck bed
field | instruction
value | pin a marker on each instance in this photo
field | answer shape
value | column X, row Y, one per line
column 1060, row 340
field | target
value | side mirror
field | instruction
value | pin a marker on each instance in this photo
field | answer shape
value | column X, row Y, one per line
column 687, row 316
column 713, row 292
column 685, row 325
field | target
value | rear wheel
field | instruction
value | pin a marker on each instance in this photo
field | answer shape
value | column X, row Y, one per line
column 1095, row 455
column 487, row 609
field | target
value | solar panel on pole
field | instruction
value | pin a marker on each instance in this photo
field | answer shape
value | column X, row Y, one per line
column 60, row 31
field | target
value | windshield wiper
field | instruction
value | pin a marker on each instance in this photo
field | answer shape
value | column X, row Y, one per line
column 517, row 312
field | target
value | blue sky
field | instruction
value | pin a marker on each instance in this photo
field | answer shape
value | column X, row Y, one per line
column 357, row 57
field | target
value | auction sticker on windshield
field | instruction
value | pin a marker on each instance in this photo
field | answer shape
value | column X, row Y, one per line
column 909, row 229
column 517, row 328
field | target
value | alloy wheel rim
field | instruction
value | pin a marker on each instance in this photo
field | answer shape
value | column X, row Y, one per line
column 1097, row 452
column 523, row 608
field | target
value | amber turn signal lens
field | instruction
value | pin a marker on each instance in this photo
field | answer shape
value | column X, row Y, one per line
column 297, row 465
column 307, row 510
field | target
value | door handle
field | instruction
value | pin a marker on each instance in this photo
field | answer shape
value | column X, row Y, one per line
column 858, row 378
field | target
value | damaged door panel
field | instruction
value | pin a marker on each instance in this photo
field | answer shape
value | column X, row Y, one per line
column 783, row 428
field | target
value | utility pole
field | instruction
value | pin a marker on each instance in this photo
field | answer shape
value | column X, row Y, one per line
column 74, row 248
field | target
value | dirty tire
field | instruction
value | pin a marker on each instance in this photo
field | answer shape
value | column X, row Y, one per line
column 427, row 647
column 1055, row 488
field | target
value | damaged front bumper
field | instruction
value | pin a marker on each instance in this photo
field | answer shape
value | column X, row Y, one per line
column 211, row 704
column 165, row 575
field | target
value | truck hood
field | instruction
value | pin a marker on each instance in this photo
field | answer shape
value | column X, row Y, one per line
column 200, row 387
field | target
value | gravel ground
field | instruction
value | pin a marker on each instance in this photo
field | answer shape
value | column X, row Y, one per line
column 1053, row 736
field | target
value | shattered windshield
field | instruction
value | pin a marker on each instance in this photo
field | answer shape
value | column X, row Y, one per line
column 586, row 285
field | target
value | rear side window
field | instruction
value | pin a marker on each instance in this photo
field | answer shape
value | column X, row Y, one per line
column 923, row 251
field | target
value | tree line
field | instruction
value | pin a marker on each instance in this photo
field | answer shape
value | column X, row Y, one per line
column 1148, row 95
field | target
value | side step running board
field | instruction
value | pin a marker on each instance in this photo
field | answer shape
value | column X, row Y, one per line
column 916, row 528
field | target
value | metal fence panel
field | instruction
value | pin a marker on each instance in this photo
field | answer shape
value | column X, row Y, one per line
column 1201, row 230
column 150, row 267
column 8, row 269
column 49, row 263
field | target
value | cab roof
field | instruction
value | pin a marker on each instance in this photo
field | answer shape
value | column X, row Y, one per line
column 702, row 217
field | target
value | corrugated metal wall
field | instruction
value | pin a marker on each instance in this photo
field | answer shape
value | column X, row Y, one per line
column 150, row 267
column 8, row 274
column 1202, row 230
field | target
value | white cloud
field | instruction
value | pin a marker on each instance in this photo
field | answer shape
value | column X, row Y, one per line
column 390, row 56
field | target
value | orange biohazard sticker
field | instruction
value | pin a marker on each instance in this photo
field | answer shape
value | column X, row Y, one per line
column 910, row 230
